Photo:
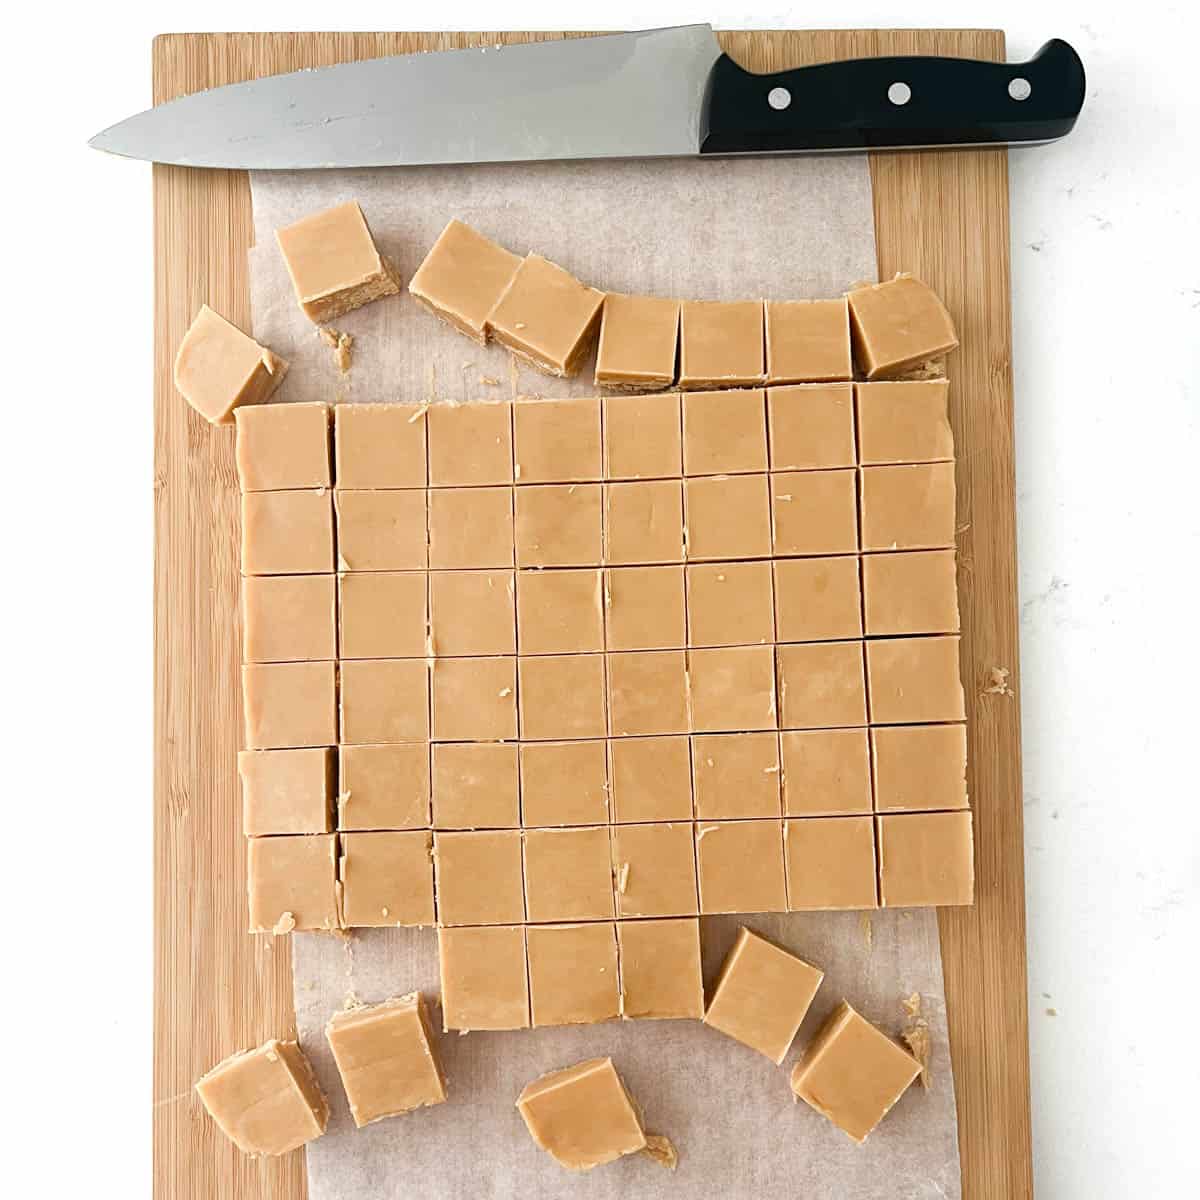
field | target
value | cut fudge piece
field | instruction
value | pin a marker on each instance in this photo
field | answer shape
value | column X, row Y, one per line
column 218, row 368
column 817, row 599
column 485, row 982
column 732, row 688
column 826, row 772
column 643, row 521
column 384, row 700
column 387, row 878
column 289, row 705
column 642, row 437
column 476, row 785
column 470, row 527
column 470, row 445
column 546, row 316
column 292, row 883
column 822, row 685
column 559, row 612
column 925, row 859
column 811, row 426
column 265, row 1101
column 282, row 447
column 573, row 977
column 287, row 791
column 724, row 433
column 898, row 324
column 473, row 612
column 564, row 783
column 727, row 517
column 730, row 604
column 740, row 866
column 647, row 693
column 907, row 507
column 720, row 344
column 462, row 277
column 557, row 441
column 289, row 618
column 638, row 338
column 384, row 614
column 334, row 264
column 479, row 878
column 914, row 592
column 904, row 421
column 654, row 867
column 830, row 862
column 650, row 778
column 382, row 530
column 287, row 533
column 735, row 775
column 914, row 681
column 919, row 767
column 383, row 787
column 474, row 699
column 562, row 697
column 386, row 1058
column 762, row 994
column 814, row 512
column 582, row 1116
column 559, row 525
column 568, row 874
column 852, row 1073
column 645, row 608
column 808, row 341
column 379, row 445
column 660, row 969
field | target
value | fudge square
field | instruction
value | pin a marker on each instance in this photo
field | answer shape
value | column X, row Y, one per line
column 289, row 705
column 642, row 437
column 282, row 446
column 287, row 533
column 852, row 1072
column 904, row 421
column 817, row 599
column 814, row 512
column 559, row 612
column 292, row 883
column 384, row 700
column 473, row 612
column 485, row 983
column 564, row 783
column 383, row 530
column 474, row 699
column 559, row 525
column 582, row 1116
column 736, row 775
column 812, row 426
column 638, row 337
column 562, row 696
column 289, row 618
column 914, row 681
column 384, row 614
column 732, row 688
column 826, row 772
column 646, row 608
column 654, row 867
column 647, row 692
column 557, row 441
column 386, row 1059
column 470, row 527
column 821, row 685
column 762, row 994
column 573, row 978
column 383, row 787
column 925, row 859
column 720, row 343
column 287, row 791
column 379, row 445
column 898, row 324
column 568, row 874
column 730, row 604
column 479, row 877
column 740, row 866
column 907, row 507
column 476, row 785
column 830, row 863
column 660, row 969
column 470, row 445
column 650, row 779
column 727, row 516
column 808, row 340
column 724, row 433
column 913, row 592
column 266, row 1101
column 919, row 767
column 387, row 878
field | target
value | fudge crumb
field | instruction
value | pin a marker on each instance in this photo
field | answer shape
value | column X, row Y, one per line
column 659, row 1147
column 285, row 924
column 489, row 380
column 916, row 1038
column 998, row 684
column 340, row 343
column 419, row 414
column 623, row 878
column 866, row 928
column 912, row 1004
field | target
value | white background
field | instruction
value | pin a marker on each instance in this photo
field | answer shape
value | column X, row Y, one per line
column 1106, row 299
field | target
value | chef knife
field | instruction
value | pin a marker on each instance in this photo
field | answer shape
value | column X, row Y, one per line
column 656, row 93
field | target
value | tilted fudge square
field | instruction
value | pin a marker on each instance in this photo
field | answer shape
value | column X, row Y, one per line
column 898, row 324
column 638, row 338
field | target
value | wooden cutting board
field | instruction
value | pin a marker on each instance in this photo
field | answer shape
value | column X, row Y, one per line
column 217, row 989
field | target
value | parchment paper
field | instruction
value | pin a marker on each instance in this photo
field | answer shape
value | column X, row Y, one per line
column 716, row 230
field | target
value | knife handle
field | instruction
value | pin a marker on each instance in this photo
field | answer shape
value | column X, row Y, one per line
column 882, row 103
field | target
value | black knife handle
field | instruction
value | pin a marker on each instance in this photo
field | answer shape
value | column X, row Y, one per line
column 881, row 103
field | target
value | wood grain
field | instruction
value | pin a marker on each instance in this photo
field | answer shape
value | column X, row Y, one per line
column 943, row 216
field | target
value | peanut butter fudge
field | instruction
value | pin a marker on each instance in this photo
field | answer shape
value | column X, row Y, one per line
column 470, row 445
column 660, row 969
column 852, row 1073
column 724, row 433
column 557, row 441
column 811, row 426
column 292, row 883
column 822, row 685
column 817, row 599
column 643, row 521
column 265, row 1101
column 546, row 316
column 919, row 767
column 334, row 264
column 735, row 775
column 907, row 507
column 914, row 681
column 740, row 866
column 650, row 779
column 730, row 604
column 479, row 880
column 826, row 772
column 564, row 783
column 732, row 688
column 287, row 791
column 559, row 612
column 647, row 693
column 573, row 977
column 727, row 517
column 559, row 525
column 470, row 527
column 387, row 878
column 642, row 437
column 382, row 530
column 904, row 421
column 830, row 862
column 282, row 446
column 384, row 614
column 562, row 697
column 380, row 445
column 762, row 994
column 289, row 705
column 485, row 981
column 289, row 618
column 654, row 867
column 914, row 592
column 898, row 324
column 568, row 874
column 287, row 533
column 473, row 612
column 386, row 1058
column 582, row 1116
column 926, row 858
column 476, row 785
column 638, row 339
column 808, row 341
column 384, row 700
column 462, row 277
column 474, row 699
column 720, row 344
column 646, row 609
column 383, row 787
column 814, row 512
column 218, row 368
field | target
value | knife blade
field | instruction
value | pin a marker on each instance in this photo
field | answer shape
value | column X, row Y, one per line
column 650, row 94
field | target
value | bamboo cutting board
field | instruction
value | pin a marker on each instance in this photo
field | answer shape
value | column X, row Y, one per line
column 943, row 216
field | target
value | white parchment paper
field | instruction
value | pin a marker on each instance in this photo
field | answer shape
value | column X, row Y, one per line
column 717, row 230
